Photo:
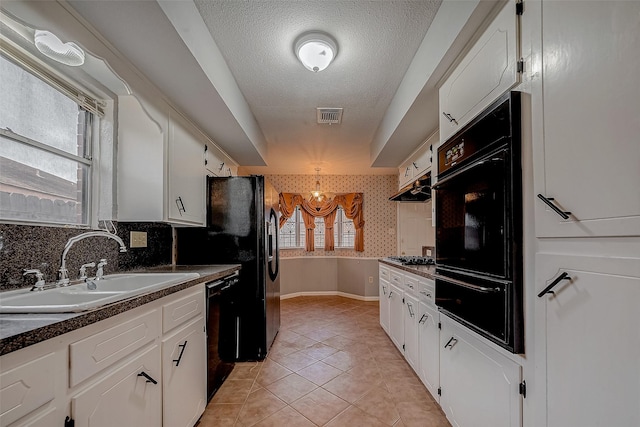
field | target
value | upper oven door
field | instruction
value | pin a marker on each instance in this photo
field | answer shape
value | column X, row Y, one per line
column 471, row 216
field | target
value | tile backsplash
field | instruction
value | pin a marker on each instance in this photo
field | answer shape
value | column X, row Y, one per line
column 26, row 246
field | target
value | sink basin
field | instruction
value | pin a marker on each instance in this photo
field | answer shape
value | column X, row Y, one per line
column 79, row 297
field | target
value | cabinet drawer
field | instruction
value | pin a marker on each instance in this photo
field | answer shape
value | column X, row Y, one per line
column 26, row 388
column 426, row 290
column 384, row 273
column 411, row 283
column 179, row 311
column 396, row 278
column 95, row 353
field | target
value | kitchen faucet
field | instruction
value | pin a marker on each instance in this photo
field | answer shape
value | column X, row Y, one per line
column 63, row 276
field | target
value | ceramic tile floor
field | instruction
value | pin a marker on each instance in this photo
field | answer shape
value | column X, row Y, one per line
column 330, row 365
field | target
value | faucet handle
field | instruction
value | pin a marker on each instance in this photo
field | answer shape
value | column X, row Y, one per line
column 39, row 285
column 83, row 269
column 100, row 271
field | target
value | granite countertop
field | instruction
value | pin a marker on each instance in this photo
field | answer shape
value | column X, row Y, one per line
column 427, row 271
column 21, row 330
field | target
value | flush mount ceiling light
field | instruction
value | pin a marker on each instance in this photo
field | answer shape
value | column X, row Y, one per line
column 316, row 50
column 52, row 47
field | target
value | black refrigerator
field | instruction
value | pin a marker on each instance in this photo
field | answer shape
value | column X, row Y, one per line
column 242, row 228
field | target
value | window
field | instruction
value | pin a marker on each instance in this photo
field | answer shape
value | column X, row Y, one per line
column 292, row 233
column 45, row 147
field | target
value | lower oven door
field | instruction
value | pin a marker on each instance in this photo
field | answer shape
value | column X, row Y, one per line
column 480, row 304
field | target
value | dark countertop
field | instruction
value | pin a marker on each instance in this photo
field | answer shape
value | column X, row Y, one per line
column 21, row 330
column 421, row 270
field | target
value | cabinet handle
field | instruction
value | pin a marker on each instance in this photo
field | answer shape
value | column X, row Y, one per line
column 425, row 294
column 181, row 353
column 229, row 171
column 180, row 205
column 410, row 307
column 406, row 172
column 384, row 290
column 547, row 290
column 149, row 379
column 221, row 166
column 451, row 119
column 548, row 200
column 451, row 343
column 414, row 165
column 423, row 319
column 390, row 294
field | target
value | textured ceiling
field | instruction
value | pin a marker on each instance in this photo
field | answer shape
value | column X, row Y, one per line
column 376, row 43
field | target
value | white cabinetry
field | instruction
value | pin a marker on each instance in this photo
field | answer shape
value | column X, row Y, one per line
column 161, row 174
column 480, row 387
column 217, row 164
column 590, row 155
column 124, row 397
column 121, row 371
column 184, row 384
column 186, row 192
column 592, row 340
column 419, row 162
column 396, row 318
column 411, row 330
column 384, row 298
column 488, row 70
column 429, row 348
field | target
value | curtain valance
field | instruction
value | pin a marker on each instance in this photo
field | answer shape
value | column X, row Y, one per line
column 351, row 204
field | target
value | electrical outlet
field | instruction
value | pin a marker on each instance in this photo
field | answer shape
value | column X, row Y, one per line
column 370, row 279
column 138, row 239
column 428, row 252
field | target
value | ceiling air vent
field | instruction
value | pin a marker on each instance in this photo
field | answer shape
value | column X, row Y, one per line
column 329, row 115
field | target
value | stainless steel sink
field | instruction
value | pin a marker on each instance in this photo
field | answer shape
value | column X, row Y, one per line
column 82, row 297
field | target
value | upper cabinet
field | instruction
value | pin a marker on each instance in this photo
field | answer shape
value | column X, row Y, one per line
column 161, row 175
column 419, row 162
column 186, row 189
column 589, row 155
column 488, row 70
column 218, row 164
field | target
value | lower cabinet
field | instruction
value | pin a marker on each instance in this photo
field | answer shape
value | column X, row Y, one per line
column 480, row 387
column 128, row 396
column 396, row 318
column 429, row 348
column 411, row 331
column 592, row 339
column 184, row 386
column 384, row 305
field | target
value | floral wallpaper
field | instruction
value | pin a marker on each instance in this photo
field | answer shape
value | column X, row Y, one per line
column 379, row 212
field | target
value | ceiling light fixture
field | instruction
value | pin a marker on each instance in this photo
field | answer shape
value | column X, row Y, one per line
column 52, row 47
column 315, row 50
column 317, row 193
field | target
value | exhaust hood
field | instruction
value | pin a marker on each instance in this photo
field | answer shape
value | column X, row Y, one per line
column 418, row 191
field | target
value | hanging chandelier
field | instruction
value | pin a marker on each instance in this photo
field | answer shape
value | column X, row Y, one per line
column 317, row 194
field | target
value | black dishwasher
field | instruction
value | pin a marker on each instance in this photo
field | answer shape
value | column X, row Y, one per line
column 222, row 331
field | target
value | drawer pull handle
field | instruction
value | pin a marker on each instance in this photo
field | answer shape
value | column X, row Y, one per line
column 180, row 205
column 149, row 379
column 410, row 307
column 450, row 118
column 384, row 290
column 423, row 319
column 451, row 343
column 428, row 295
column 547, row 290
column 548, row 200
column 390, row 294
column 181, row 353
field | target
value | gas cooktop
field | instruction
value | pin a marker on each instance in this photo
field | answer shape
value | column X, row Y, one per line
column 411, row 260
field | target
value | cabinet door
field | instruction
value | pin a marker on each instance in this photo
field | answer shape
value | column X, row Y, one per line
column 593, row 340
column 591, row 102
column 123, row 397
column 411, row 330
column 396, row 318
column 487, row 71
column 429, row 348
column 384, row 305
column 186, row 195
column 184, row 384
column 421, row 162
column 479, row 385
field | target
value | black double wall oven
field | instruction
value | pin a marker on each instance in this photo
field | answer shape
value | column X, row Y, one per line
column 479, row 225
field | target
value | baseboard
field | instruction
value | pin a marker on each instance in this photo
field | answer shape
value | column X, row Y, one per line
column 329, row 293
